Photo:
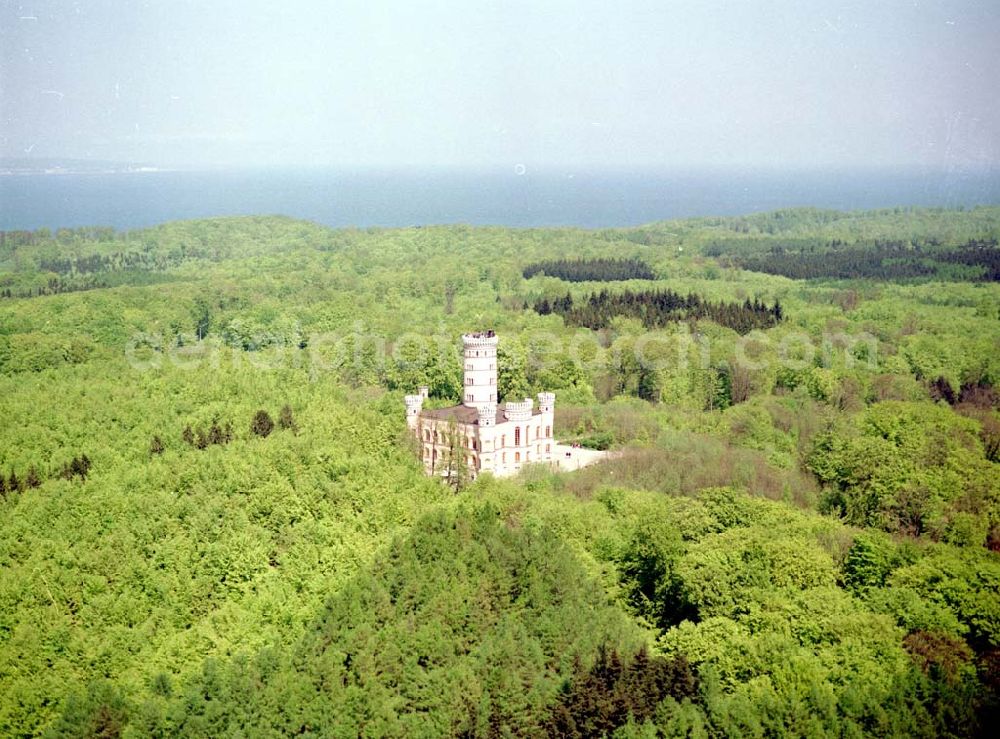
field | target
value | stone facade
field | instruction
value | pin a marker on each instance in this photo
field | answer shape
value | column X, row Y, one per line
column 486, row 436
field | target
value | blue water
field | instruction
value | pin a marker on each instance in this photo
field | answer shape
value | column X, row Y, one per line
column 587, row 198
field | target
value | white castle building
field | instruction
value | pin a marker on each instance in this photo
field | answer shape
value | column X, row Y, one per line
column 492, row 437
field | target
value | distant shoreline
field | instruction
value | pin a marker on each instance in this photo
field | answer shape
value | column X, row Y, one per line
column 60, row 171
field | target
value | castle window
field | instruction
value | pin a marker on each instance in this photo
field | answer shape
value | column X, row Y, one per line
column 427, row 434
column 517, row 436
column 503, row 440
column 548, row 431
column 517, row 456
column 503, row 458
column 474, row 444
column 548, row 449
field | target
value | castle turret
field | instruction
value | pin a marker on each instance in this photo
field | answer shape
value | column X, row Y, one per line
column 480, row 369
column 547, row 402
column 414, row 403
column 487, row 414
column 547, row 422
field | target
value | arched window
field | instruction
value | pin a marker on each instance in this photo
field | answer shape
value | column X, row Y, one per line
column 503, row 440
column 517, row 436
column 548, row 431
column 427, row 434
column 548, row 449
column 503, row 458
column 517, row 456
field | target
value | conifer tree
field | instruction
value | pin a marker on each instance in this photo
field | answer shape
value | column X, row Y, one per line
column 262, row 425
column 215, row 435
column 940, row 389
column 286, row 420
column 32, row 480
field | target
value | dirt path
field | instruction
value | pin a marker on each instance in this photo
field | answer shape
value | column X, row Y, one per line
column 573, row 458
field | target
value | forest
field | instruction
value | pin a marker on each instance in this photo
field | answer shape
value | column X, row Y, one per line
column 591, row 270
column 897, row 261
column 214, row 523
column 657, row 308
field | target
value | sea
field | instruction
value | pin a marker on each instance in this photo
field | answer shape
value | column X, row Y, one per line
column 517, row 196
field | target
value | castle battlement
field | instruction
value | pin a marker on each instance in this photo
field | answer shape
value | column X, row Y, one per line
column 520, row 411
column 480, row 338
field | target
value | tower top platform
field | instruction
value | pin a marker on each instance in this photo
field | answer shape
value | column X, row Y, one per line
column 480, row 338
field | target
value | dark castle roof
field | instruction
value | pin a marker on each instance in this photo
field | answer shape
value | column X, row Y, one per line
column 466, row 415
column 456, row 413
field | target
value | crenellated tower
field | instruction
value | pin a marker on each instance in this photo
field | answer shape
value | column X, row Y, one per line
column 480, row 368
column 414, row 404
column 487, row 415
column 547, row 402
column 547, row 409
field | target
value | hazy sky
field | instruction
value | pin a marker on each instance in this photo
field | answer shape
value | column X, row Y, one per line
column 506, row 83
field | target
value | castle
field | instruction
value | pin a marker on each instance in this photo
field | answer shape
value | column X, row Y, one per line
column 491, row 438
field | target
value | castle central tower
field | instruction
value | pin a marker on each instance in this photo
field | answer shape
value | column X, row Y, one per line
column 480, row 367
